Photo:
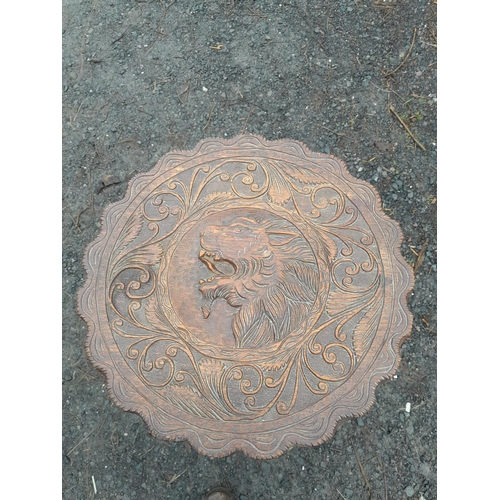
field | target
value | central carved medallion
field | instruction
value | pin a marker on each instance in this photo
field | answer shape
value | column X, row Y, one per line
column 272, row 277
column 246, row 295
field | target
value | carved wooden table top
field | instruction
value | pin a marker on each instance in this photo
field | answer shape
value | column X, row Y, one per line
column 246, row 295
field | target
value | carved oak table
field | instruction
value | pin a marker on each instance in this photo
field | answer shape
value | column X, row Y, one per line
column 246, row 295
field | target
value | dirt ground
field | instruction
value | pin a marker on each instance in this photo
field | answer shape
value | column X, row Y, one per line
column 356, row 79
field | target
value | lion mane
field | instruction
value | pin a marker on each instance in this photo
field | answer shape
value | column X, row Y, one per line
column 263, row 268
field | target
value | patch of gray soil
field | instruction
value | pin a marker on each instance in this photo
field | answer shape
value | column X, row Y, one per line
column 356, row 79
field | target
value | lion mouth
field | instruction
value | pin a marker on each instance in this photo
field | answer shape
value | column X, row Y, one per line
column 216, row 263
column 222, row 268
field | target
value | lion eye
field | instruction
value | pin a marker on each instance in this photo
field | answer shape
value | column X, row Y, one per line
column 237, row 229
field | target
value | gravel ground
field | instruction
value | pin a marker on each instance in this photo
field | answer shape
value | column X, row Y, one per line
column 146, row 77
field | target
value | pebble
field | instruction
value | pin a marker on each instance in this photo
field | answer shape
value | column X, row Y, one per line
column 409, row 491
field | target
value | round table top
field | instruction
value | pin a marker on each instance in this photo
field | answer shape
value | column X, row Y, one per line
column 246, row 295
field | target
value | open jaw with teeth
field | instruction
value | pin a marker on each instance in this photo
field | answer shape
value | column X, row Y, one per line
column 213, row 287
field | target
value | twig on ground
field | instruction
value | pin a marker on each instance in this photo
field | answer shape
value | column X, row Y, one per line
column 210, row 115
column 72, row 120
column 412, row 135
column 383, row 472
column 363, row 473
column 165, row 8
column 330, row 130
column 156, row 83
column 101, row 423
column 121, row 35
column 378, row 3
column 81, row 441
column 146, row 452
column 255, row 13
column 184, row 95
column 246, row 120
column 426, row 323
column 341, row 494
column 407, row 54
column 413, row 408
column 420, row 257
column 76, row 220
column 175, row 477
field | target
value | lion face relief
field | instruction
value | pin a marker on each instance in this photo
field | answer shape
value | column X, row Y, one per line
column 264, row 269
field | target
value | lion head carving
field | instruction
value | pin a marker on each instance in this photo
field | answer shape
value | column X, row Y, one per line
column 264, row 269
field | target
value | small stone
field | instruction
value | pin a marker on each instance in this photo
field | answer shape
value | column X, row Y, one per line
column 360, row 422
column 219, row 494
column 409, row 491
column 109, row 180
column 266, row 468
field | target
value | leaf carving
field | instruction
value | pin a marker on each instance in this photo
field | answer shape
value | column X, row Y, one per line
column 367, row 328
column 130, row 231
column 213, row 198
column 302, row 175
column 340, row 303
column 328, row 245
column 149, row 256
column 144, row 256
column 278, row 192
column 191, row 401
column 277, row 362
column 155, row 315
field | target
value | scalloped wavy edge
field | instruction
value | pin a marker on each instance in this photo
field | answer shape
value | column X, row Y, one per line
column 287, row 441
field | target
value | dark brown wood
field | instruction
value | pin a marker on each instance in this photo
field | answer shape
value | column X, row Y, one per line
column 246, row 295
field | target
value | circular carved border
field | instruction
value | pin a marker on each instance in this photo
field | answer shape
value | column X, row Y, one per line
column 298, row 314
